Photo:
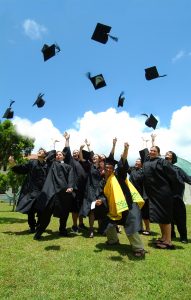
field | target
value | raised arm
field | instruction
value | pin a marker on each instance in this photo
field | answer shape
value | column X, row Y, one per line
column 67, row 139
column 88, row 145
column 153, row 136
column 113, row 146
column 125, row 152
column 81, row 158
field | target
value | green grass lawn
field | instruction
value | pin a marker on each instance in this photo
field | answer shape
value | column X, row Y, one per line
column 78, row 267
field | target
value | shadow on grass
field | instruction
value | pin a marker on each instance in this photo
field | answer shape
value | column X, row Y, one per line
column 52, row 247
column 5, row 220
column 124, row 250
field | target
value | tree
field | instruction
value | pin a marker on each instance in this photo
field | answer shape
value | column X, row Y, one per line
column 14, row 181
column 3, row 183
column 13, row 144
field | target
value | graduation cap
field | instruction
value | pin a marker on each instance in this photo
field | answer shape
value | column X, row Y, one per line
column 50, row 51
column 9, row 113
column 98, row 81
column 87, row 154
column 152, row 73
column 150, row 121
column 39, row 101
column 121, row 99
column 101, row 34
column 110, row 161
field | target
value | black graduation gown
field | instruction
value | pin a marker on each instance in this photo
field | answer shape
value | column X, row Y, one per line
column 36, row 175
column 80, row 175
column 179, row 208
column 53, row 194
column 160, row 182
column 94, row 191
column 136, row 178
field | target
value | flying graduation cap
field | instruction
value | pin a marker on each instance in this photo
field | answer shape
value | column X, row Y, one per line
column 9, row 113
column 121, row 99
column 151, row 121
column 50, row 51
column 98, row 81
column 152, row 73
column 101, row 34
column 39, row 101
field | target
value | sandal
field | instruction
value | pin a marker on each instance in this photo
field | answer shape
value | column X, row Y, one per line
column 165, row 246
column 139, row 253
column 146, row 232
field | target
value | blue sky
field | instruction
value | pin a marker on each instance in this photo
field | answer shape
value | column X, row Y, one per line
column 150, row 32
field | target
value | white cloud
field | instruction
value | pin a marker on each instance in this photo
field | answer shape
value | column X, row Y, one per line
column 178, row 56
column 33, row 30
column 101, row 128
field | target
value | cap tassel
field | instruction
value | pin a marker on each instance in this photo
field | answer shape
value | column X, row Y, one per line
column 88, row 75
column 57, row 48
column 113, row 38
column 12, row 101
column 162, row 75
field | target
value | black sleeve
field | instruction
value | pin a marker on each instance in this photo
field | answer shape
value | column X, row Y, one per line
column 184, row 176
column 22, row 168
column 68, row 155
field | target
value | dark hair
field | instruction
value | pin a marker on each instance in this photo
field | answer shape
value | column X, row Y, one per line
column 42, row 149
column 174, row 157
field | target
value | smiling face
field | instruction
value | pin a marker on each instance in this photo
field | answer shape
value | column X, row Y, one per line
column 154, row 152
column 95, row 159
column 41, row 153
column 138, row 164
column 75, row 154
column 59, row 156
column 168, row 156
column 108, row 170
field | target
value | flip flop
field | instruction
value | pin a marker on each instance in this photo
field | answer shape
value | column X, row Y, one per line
column 165, row 246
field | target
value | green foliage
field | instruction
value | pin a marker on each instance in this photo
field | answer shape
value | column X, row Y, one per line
column 12, row 143
column 3, row 183
column 80, row 268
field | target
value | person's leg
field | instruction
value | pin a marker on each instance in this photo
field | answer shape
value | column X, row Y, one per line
column 63, row 222
column 31, row 221
column 111, row 234
column 75, row 220
column 167, row 242
column 147, row 224
column 181, row 221
column 135, row 241
column 91, row 223
column 43, row 222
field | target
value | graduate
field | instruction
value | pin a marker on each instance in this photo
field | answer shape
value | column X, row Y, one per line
column 160, row 183
column 124, row 203
column 80, row 177
column 179, row 208
column 57, row 194
column 36, row 172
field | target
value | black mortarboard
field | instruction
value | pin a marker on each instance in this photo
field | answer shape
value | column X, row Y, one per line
column 152, row 73
column 9, row 113
column 39, row 101
column 98, row 81
column 86, row 154
column 110, row 161
column 151, row 121
column 121, row 99
column 49, row 51
column 101, row 34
